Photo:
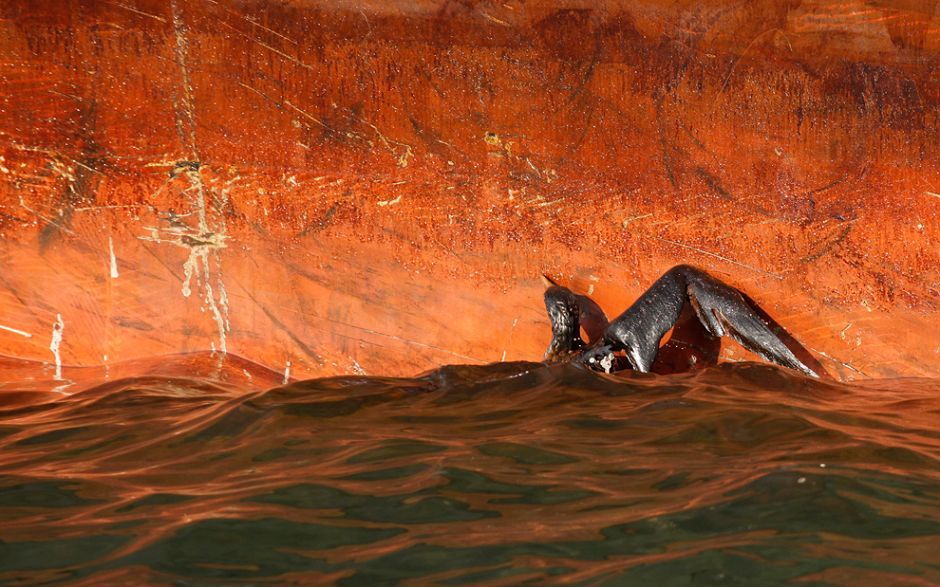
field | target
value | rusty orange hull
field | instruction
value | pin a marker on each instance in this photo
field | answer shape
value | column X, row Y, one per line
column 376, row 186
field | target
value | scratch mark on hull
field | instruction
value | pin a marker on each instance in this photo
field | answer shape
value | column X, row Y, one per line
column 717, row 256
column 136, row 11
column 16, row 331
column 293, row 60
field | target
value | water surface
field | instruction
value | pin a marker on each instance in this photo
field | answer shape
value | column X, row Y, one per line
column 203, row 470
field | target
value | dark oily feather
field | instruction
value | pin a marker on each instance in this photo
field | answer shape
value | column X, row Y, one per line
column 590, row 315
column 720, row 308
column 563, row 312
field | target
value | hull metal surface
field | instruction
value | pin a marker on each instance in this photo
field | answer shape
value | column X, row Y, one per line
column 349, row 187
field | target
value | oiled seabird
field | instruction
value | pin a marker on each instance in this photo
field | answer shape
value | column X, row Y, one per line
column 684, row 297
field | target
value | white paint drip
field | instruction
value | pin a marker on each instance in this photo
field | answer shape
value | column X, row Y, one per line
column 220, row 321
column 286, row 373
column 190, row 268
column 57, row 327
column 509, row 339
column 201, row 241
column 61, row 388
column 114, row 269
column 223, row 303
column 15, row 331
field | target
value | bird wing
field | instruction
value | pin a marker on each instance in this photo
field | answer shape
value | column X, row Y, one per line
column 722, row 309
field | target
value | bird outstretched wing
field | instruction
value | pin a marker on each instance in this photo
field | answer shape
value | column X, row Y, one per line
column 721, row 309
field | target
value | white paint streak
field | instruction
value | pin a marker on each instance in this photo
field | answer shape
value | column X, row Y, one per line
column 512, row 329
column 190, row 268
column 223, row 303
column 220, row 322
column 389, row 202
column 114, row 269
column 626, row 221
column 492, row 18
column 357, row 368
column 842, row 334
column 57, row 328
column 201, row 241
column 15, row 331
column 61, row 388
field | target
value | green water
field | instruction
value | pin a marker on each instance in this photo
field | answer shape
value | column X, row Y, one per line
column 502, row 475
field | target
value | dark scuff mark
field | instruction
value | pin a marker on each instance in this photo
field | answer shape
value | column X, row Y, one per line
column 663, row 145
column 182, row 166
column 28, row 306
column 10, row 217
column 163, row 263
column 320, row 223
column 828, row 247
column 695, row 140
column 81, row 187
column 713, row 183
column 589, row 70
column 126, row 322
column 283, row 328
column 431, row 139
column 83, row 182
column 828, row 186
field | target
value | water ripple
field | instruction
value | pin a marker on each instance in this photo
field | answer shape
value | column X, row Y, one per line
column 741, row 474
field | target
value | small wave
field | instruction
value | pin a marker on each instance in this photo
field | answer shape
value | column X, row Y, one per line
column 490, row 474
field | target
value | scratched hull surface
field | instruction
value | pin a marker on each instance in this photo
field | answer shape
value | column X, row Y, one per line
column 200, row 470
column 374, row 187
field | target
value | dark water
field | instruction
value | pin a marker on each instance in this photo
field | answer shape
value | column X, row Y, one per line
column 738, row 475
